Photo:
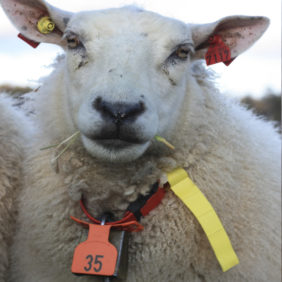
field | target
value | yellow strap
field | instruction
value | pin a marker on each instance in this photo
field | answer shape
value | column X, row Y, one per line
column 195, row 200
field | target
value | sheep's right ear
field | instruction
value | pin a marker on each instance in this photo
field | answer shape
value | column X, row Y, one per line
column 25, row 14
column 238, row 33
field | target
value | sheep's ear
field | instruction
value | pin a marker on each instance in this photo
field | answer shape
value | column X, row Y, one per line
column 25, row 14
column 237, row 32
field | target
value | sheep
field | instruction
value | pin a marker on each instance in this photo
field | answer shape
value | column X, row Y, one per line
column 128, row 75
column 14, row 131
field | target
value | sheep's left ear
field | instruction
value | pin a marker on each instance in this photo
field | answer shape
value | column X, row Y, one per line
column 25, row 14
column 237, row 32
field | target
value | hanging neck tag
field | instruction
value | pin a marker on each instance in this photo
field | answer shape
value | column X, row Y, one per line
column 95, row 256
column 195, row 200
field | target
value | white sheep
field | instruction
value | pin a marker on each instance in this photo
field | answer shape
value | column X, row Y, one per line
column 127, row 76
column 14, row 132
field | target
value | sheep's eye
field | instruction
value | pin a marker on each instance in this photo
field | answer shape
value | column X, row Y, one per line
column 73, row 41
column 182, row 52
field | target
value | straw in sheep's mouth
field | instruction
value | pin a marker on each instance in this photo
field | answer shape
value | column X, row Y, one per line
column 116, row 144
column 164, row 141
column 64, row 146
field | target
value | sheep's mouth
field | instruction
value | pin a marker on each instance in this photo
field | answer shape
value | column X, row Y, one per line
column 114, row 150
column 116, row 141
column 115, row 144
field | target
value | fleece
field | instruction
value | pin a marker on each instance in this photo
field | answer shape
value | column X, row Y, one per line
column 13, row 134
column 232, row 156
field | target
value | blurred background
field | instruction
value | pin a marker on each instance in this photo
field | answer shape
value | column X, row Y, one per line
column 254, row 78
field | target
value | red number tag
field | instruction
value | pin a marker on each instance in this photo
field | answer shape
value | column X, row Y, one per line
column 218, row 52
column 95, row 256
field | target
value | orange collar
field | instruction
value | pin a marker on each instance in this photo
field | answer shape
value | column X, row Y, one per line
column 130, row 222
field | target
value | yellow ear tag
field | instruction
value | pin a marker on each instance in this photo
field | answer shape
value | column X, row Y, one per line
column 195, row 200
column 45, row 25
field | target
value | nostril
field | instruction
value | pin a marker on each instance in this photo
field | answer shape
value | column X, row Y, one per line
column 118, row 112
column 136, row 109
column 105, row 108
column 98, row 104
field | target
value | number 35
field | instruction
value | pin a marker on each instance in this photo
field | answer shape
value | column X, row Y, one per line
column 97, row 263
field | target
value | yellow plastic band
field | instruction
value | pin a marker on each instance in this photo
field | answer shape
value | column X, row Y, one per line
column 195, row 200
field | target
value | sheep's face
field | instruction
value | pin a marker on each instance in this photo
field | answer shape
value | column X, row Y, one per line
column 126, row 79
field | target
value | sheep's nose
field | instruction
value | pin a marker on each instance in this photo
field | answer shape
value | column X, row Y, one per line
column 118, row 112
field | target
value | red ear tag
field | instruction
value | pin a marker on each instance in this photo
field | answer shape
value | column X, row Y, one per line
column 95, row 256
column 218, row 52
column 30, row 42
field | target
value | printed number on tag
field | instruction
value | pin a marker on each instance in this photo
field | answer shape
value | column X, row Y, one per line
column 221, row 55
column 97, row 265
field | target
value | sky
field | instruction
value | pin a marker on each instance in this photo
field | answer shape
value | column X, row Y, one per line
column 252, row 73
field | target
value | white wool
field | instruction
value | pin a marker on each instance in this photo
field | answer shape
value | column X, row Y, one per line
column 232, row 155
column 14, row 131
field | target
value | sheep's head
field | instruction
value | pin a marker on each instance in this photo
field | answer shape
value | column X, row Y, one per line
column 127, row 71
column 124, row 80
